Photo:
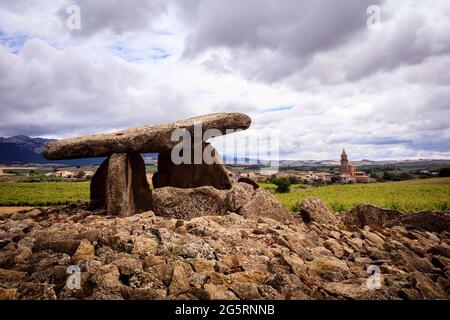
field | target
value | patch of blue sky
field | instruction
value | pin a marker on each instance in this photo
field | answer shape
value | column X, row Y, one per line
column 279, row 108
column 13, row 43
column 136, row 55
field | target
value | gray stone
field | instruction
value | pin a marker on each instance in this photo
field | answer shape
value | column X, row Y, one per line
column 149, row 138
column 191, row 175
column 189, row 203
column 314, row 210
column 120, row 184
column 264, row 204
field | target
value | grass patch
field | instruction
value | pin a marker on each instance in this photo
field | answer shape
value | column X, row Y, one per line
column 42, row 193
column 403, row 196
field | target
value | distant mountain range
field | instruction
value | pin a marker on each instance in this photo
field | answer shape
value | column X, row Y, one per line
column 25, row 150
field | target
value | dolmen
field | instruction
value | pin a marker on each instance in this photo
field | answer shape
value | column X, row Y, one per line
column 120, row 184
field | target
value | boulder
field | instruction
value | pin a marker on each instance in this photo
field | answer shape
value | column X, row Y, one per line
column 264, row 204
column 191, row 175
column 367, row 214
column 149, row 138
column 428, row 220
column 249, row 181
column 238, row 196
column 197, row 249
column 313, row 209
column 179, row 282
column 85, row 250
column 188, row 203
column 9, row 278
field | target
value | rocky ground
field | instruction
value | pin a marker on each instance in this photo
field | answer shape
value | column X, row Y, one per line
column 227, row 255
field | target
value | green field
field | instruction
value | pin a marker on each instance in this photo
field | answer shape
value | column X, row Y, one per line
column 412, row 195
column 42, row 193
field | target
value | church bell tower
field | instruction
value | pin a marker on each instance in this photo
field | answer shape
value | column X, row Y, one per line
column 344, row 162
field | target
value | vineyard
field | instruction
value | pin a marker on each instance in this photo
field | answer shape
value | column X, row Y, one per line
column 42, row 193
column 424, row 194
column 414, row 195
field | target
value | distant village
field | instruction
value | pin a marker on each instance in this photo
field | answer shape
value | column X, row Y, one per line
column 347, row 174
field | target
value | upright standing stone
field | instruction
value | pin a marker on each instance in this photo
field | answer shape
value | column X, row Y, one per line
column 190, row 175
column 98, row 186
column 121, row 185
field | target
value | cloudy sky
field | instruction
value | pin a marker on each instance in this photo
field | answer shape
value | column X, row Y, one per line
column 325, row 74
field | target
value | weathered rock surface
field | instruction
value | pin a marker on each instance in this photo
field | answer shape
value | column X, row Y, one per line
column 429, row 221
column 191, row 175
column 314, row 210
column 224, row 256
column 249, row 181
column 238, row 196
column 150, row 138
column 264, row 204
column 196, row 202
column 367, row 214
column 370, row 215
column 188, row 203
column 120, row 185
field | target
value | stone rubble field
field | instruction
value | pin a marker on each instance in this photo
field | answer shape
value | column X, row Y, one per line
column 203, row 243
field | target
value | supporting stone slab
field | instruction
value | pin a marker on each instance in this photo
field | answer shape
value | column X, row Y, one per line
column 190, row 175
column 120, row 185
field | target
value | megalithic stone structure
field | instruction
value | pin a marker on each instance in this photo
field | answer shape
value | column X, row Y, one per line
column 120, row 183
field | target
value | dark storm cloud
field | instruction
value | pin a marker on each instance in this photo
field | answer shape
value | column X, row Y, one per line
column 117, row 16
column 287, row 33
column 411, row 40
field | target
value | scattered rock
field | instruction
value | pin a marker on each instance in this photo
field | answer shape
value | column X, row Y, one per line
column 314, row 210
column 179, row 282
column 429, row 221
column 264, row 204
column 218, row 256
column 85, row 250
column 238, row 196
column 189, row 203
column 219, row 292
column 11, row 278
column 367, row 214
column 145, row 246
column 8, row 294
column 197, row 249
column 60, row 246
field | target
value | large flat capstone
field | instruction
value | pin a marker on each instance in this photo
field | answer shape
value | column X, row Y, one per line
column 149, row 138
